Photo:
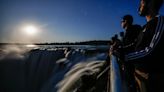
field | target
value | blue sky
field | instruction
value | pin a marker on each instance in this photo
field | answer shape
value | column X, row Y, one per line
column 65, row 20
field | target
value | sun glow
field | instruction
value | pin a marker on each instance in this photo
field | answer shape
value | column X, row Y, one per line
column 30, row 30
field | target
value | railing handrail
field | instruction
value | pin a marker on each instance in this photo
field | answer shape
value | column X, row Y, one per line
column 115, row 76
column 103, row 72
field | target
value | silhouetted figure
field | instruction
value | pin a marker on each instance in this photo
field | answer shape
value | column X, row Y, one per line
column 113, row 46
column 116, row 45
column 149, row 72
column 122, row 34
column 131, row 33
column 129, row 41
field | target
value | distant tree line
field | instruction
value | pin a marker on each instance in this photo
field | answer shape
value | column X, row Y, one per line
column 93, row 42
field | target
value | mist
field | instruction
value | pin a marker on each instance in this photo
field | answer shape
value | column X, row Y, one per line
column 14, row 51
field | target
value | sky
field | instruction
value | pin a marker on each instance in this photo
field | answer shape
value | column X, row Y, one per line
column 64, row 20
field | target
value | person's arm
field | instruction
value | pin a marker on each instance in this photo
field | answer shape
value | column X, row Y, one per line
column 154, row 41
column 129, row 45
column 133, row 36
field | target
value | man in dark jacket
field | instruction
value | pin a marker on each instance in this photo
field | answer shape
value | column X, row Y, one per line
column 129, row 42
column 131, row 33
column 147, row 57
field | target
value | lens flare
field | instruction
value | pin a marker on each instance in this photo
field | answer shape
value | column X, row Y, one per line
column 30, row 30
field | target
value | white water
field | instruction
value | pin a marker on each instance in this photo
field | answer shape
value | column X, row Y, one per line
column 72, row 79
column 53, row 69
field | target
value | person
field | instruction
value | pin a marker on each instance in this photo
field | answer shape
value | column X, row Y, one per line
column 122, row 34
column 116, row 45
column 131, row 33
column 147, row 58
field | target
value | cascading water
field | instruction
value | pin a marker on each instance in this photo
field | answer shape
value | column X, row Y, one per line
column 49, row 70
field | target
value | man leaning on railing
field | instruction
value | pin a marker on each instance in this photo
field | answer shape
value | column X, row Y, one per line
column 149, row 72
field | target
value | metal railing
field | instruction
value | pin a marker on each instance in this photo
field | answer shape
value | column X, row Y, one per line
column 115, row 76
column 114, row 81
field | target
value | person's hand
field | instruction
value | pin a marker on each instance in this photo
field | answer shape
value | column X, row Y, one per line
column 110, row 52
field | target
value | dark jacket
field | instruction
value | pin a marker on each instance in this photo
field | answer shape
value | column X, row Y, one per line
column 129, row 40
column 149, row 48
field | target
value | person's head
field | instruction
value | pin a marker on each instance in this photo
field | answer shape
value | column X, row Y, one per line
column 126, row 21
column 115, row 36
column 112, row 40
column 121, row 34
column 149, row 6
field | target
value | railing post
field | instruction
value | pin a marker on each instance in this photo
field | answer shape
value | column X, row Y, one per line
column 115, row 77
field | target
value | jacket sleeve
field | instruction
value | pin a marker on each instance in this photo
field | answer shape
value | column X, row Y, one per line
column 139, row 55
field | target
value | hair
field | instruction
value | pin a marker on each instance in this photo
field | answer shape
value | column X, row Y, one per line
column 129, row 18
column 156, row 4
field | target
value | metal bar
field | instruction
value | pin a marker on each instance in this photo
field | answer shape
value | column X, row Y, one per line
column 115, row 77
column 103, row 72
